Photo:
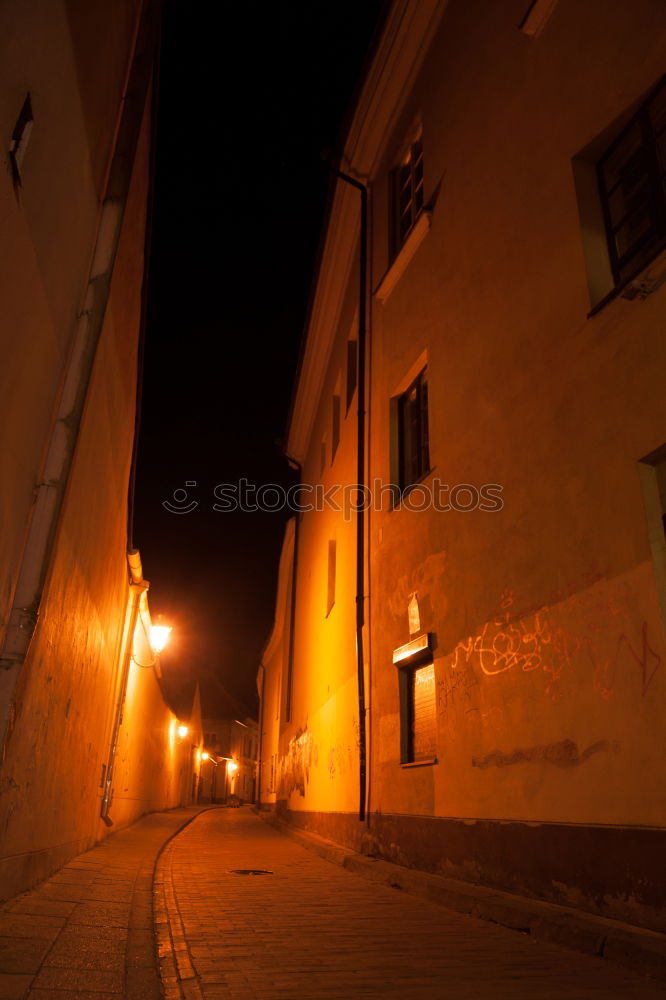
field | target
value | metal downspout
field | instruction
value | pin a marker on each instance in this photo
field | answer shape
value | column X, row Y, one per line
column 50, row 490
column 138, row 586
column 360, row 484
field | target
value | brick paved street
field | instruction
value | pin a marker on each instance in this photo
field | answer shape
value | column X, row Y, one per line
column 314, row 930
column 87, row 932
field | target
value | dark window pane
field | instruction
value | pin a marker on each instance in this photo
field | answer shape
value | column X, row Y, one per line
column 413, row 433
column 616, row 163
column 631, row 186
column 640, row 256
column 407, row 194
column 629, row 234
column 627, row 199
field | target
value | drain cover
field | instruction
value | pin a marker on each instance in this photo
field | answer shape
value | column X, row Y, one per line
column 249, row 871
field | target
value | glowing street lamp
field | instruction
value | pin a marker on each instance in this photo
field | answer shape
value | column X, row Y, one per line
column 183, row 730
column 159, row 636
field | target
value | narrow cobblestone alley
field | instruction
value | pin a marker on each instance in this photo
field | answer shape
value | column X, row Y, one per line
column 309, row 929
column 312, row 930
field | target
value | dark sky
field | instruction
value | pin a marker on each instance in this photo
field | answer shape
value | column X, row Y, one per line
column 250, row 93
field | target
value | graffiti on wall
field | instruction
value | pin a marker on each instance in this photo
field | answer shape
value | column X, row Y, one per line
column 295, row 765
column 590, row 628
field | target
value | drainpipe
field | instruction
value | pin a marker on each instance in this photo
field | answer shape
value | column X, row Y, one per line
column 360, row 482
column 138, row 586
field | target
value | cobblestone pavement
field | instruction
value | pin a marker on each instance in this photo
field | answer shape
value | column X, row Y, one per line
column 310, row 929
column 87, row 932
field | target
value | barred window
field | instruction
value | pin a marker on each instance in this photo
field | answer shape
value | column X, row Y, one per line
column 632, row 188
column 413, row 450
column 407, row 201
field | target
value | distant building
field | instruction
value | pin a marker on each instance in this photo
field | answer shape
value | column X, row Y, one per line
column 87, row 738
column 231, row 771
column 506, row 586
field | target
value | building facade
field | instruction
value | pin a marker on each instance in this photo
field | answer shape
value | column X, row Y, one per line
column 498, row 553
column 229, row 770
column 87, row 737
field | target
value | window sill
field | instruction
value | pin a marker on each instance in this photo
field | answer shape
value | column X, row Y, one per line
column 648, row 279
column 406, row 490
column 407, row 251
column 420, row 763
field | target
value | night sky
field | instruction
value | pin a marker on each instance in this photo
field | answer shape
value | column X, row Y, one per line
column 250, row 94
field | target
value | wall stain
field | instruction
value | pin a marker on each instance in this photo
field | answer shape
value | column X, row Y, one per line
column 564, row 753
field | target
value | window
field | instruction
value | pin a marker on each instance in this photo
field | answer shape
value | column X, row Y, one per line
column 20, row 138
column 632, row 178
column 413, row 456
column 536, row 17
column 418, row 705
column 422, row 731
column 407, row 194
column 352, row 370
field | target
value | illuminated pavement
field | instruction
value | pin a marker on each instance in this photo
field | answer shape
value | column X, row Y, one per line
column 311, row 929
column 87, row 932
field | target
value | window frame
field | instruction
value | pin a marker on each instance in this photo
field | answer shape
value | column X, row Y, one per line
column 407, row 194
column 645, row 247
column 408, row 478
column 409, row 659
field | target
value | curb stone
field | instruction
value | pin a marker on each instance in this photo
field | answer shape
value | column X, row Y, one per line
column 635, row 948
column 179, row 980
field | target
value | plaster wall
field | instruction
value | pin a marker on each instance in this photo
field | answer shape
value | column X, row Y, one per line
column 318, row 744
column 60, row 729
column 550, row 649
column 548, row 639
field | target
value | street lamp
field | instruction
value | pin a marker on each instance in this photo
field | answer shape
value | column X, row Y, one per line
column 159, row 637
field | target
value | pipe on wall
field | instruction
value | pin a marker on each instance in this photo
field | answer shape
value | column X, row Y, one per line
column 52, row 482
column 360, row 483
column 138, row 587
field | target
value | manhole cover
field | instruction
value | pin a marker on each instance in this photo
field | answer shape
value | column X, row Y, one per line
column 249, row 871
